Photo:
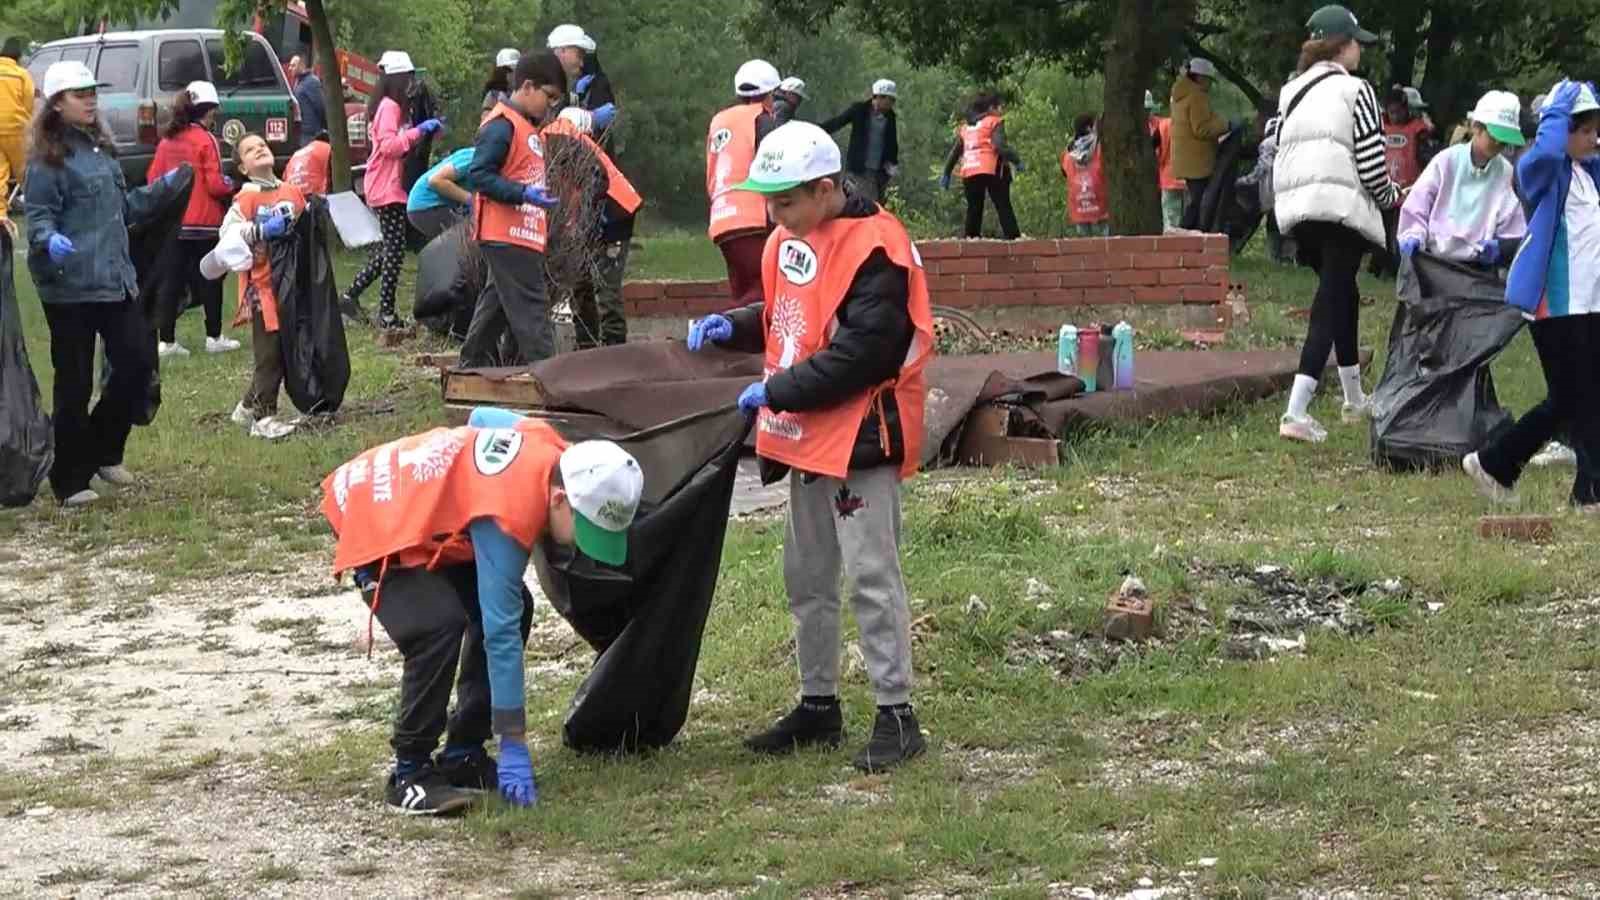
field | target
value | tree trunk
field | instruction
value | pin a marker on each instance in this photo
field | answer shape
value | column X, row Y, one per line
column 332, row 93
column 1140, row 39
column 1403, row 50
column 1439, row 86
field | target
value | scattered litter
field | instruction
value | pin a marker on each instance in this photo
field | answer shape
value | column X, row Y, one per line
column 1083, row 893
column 1420, row 695
column 976, row 606
column 1146, row 883
column 1207, row 862
column 39, row 812
column 1435, row 607
column 1045, row 607
column 1261, row 646
column 1038, row 589
column 1392, row 586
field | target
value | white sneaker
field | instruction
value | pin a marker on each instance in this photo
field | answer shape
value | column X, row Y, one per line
column 1555, row 453
column 221, row 344
column 118, row 476
column 165, row 350
column 1356, row 413
column 242, row 417
column 1485, row 482
column 81, row 498
column 1301, row 428
column 271, row 429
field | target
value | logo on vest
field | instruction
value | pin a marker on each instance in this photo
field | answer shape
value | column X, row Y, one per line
column 788, row 327
column 720, row 139
column 534, row 146
column 797, row 261
column 1396, row 140
column 432, row 458
column 495, row 450
column 780, row 425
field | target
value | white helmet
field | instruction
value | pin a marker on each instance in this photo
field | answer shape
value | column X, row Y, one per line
column 395, row 62
column 203, row 92
column 756, row 78
column 507, row 58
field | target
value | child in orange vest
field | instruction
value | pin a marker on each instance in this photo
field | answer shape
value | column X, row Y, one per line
column 438, row 528
column 847, row 330
column 1086, row 181
column 263, row 211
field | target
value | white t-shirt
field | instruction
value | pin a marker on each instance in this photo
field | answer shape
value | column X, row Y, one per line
column 1583, row 244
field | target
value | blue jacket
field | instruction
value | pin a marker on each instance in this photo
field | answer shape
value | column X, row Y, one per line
column 86, row 199
column 313, row 108
column 1545, row 175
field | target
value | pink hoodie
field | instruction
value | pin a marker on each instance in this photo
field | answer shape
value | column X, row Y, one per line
column 389, row 147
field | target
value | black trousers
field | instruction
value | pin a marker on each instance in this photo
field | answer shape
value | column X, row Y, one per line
column 1335, row 252
column 434, row 222
column 1569, row 353
column 1194, row 194
column 600, row 318
column 1386, row 262
column 514, row 296
column 435, row 621
column 183, row 286
column 998, row 189
column 87, row 441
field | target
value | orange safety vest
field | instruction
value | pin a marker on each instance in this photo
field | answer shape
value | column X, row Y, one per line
column 618, row 187
column 806, row 280
column 1402, row 145
column 730, row 149
column 978, row 156
column 524, row 225
column 409, row 501
column 310, row 168
column 260, row 274
column 1161, row 127
column 1086, row 189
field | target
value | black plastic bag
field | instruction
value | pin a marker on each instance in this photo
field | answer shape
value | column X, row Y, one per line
column 316, row 359
column 160, row 206
column 1436, row 401
column 646, row 621
column 26, row 444
column 1223, row 208
column 450, row 276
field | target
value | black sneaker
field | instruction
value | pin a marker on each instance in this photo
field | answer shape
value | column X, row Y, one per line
column 896, row 738
column 350, row 307
column 390, row 320
column 425, row 792
column 476, row 772
column 807, row 725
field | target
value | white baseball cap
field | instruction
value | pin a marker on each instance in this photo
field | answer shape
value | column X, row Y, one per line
column 794, row 86
column 395, row 62
column 603, row 482
column 1586, row 100
column 883, row 87
column 582, row 119
column 1500, row 112
column 569, row 36
column 1198, row 66
column 68, row 76
column 507, row 58
column 202, row 92
column 1414, row 98
column 792, row 155
column 756, row 78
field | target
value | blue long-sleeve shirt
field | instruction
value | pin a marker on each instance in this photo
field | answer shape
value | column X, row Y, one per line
column 1545, row 174
column 501, row 563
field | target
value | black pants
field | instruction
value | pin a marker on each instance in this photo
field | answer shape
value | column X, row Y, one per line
column 600, row 318
column 1386, row 262
column 1569, row 353
column 87, row 441
column 183, row 286
column 434, row 222
column 1194, row 195
column 386, row 257
column 998, row 188
column 435, row 621
column 514, row 296
column 1335, row 252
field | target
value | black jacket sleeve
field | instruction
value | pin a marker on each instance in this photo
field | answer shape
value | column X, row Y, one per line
column 765, row 123
column 891, row 142
column 1001, row 148
column 599, row 92
column 851, row 114
column 953, row 158
column 490, row 151
column 749, row 336
column 867, row 349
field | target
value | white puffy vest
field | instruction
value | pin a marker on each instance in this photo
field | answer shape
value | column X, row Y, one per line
column 1314, row 177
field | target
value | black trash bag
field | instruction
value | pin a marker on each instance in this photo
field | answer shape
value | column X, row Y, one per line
column 26, row 444
column 646, row 621
column 1223, row 208
column 316, row 359
column 450, row 276
column 155, row 218
column 1436, row 401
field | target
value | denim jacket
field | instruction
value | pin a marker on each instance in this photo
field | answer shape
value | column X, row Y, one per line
column 86, row 199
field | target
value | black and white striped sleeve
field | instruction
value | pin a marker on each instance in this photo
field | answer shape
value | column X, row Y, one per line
column 1371, row 165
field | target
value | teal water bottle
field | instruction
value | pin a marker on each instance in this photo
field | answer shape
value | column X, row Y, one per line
column 1067, row 351
column 1122, row 356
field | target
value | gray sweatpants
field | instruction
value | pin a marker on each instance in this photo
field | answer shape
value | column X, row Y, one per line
column 854, row 524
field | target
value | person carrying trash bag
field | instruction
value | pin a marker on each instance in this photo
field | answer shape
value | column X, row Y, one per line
column 26, row 450
column 847, row 330
column 1555, row 282
column 1462, row 206
column 438, row 528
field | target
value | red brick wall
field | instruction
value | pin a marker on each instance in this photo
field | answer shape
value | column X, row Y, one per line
column 1118, row 271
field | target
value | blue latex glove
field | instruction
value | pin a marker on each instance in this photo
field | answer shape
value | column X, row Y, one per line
column 713, row 328
column 604, row 116
column 60, row 247
column 753, row 398
column 1564, row 95
column 431, row 126
column 275, row 227
column 1489, row 252
column 1409, row 246
column 540, row 197
column 583, row 85
column 944, row 181
column 516, row 773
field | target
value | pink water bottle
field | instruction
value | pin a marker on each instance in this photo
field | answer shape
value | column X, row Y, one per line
column 1088, row 358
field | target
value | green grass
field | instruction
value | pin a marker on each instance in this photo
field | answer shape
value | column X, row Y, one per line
column 1378, row 760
